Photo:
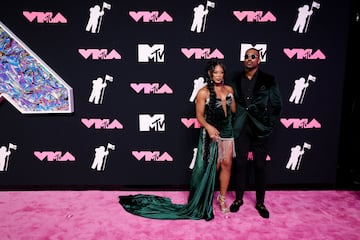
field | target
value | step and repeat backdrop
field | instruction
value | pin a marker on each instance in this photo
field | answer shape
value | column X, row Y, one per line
column 98, row 93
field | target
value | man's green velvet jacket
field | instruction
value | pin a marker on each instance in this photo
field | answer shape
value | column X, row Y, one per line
column 265, row 108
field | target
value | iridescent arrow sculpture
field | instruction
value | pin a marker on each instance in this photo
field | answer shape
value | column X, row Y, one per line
column 27, row 82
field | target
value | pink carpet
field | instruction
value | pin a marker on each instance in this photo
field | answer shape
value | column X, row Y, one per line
column 77, row 215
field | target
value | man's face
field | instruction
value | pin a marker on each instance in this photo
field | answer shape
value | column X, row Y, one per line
column 251, row 59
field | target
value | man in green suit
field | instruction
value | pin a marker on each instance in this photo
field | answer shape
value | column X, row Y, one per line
column 259, row 105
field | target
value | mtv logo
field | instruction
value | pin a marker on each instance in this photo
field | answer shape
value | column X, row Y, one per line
column 261, row 47
column 155, row 53
column 149, row 123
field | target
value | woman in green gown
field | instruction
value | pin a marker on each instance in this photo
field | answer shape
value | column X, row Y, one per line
column 215, row 151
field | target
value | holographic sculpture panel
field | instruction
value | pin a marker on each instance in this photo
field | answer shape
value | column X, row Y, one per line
column 27, row 82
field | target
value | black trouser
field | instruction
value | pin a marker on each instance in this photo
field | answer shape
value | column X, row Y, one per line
column 246, row 142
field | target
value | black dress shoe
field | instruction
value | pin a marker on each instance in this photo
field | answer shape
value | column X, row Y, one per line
column 260, row 207
column 236, row 205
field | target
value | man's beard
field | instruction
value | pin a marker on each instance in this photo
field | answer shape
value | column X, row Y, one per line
column 249, row 68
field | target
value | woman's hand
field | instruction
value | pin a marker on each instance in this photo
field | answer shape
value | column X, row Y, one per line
column 213, row 133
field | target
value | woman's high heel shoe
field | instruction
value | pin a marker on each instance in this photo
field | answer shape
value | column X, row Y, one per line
column 222, row 203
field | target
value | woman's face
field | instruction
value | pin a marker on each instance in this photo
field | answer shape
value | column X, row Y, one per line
column 218, row 74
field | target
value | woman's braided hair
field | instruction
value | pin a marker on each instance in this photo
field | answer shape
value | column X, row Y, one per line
column 210, row 108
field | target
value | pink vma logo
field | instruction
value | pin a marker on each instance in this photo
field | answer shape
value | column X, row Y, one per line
column 300, row 123
column 202, row 53
column 152, row 16
column 44, row 17
column 255, row 16
column 152, row 156
column 304, row 53
column 188, row 122
column 54, row 156
column 102, row 123
column 148, row 88
column 99, row 54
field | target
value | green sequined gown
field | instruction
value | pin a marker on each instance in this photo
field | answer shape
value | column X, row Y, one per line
column 199, row 205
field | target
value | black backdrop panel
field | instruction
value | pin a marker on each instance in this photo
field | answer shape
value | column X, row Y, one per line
column 148, row 56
